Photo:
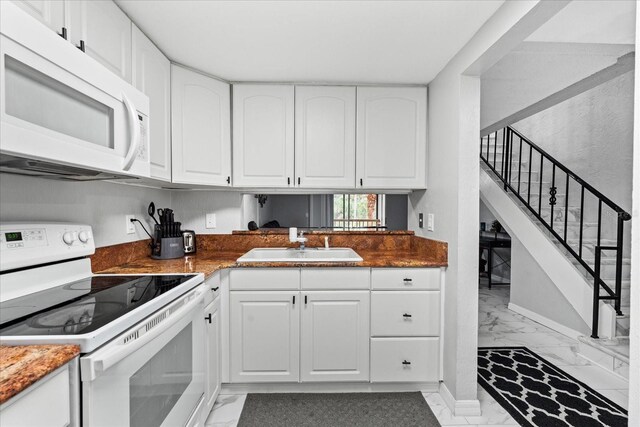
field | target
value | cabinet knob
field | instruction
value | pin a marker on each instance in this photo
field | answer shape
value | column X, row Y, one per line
column 405, row 362
column 406, row 315
column 81, row 46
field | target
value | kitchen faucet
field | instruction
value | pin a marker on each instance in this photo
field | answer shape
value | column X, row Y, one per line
column 295, row 237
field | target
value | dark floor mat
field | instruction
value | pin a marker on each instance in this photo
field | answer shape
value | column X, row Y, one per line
column 538, row 394
column 337, row 409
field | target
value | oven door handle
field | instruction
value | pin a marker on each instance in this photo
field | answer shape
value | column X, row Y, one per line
column 93, row 365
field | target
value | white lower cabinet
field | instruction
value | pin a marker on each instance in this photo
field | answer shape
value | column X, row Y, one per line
column 264, row 336
column 405, row 359
column 313, row 325
column 334, row 339
column 48, row 402
column 213, row 367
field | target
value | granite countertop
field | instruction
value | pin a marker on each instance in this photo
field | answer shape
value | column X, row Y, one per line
column 23, row 365
column 210, row 262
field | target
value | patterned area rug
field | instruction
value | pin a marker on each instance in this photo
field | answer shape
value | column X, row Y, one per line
column 337, row 409
column 536, row 393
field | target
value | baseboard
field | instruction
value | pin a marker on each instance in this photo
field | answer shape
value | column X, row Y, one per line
column 552, row 324
column 329, row 387
column 460, row 408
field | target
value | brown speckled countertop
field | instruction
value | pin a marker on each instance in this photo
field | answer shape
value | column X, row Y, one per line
column 23, row 365
column 216, row 252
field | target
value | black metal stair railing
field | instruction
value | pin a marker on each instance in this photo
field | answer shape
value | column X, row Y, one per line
column 499, row 149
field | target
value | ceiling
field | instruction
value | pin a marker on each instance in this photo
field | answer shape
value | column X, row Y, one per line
column 312, row 41
column 596, row 21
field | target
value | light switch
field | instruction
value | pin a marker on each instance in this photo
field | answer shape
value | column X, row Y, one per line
column 430, row 221
column 210, row 221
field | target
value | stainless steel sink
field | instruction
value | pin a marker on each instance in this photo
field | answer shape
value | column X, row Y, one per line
column 300, row 255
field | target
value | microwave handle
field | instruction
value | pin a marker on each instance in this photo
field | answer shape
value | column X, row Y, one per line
column 92, row 365
column 134, row 131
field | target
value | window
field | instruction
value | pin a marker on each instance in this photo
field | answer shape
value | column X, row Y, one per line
column 358, row 211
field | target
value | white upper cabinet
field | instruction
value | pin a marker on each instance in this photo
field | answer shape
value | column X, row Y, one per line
column 263, row 135
column 325, row 137
column 391, row 137
column 105, row 32
column 152, row 75
column 200, row 119
column 49, row 12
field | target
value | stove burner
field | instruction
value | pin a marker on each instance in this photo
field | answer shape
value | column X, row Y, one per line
column 67, row 318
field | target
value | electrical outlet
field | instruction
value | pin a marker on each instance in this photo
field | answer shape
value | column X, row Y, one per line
column 131, row 227
column 430, row 220
column 210, row 220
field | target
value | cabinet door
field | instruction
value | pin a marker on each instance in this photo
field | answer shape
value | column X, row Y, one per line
column 152, row 75
column 335, row 336
column 325, row 137
column 391, row 137
column 105, row 31
column 212, row 361
column 200, row 120
column 49, row 12
column 263, row 135
column 264, row 336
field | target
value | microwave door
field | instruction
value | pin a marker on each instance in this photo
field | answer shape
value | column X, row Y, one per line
column 154, row 379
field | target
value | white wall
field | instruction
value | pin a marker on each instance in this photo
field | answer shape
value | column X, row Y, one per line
column 533, row 290
column 536, row 70
column 453, row 177
column 634, row 366
column 103, row 205
column 591, row 134
column 233, row 210
column 100, row 204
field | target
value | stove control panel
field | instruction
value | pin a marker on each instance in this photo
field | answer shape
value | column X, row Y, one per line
column 29, row 244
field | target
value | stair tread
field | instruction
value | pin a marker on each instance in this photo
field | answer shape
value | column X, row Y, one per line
column 617, row 347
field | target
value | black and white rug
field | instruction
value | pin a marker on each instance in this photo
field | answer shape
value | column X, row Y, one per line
column 537, row 393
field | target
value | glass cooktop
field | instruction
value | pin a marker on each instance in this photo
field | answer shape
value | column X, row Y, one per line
column 83, row 306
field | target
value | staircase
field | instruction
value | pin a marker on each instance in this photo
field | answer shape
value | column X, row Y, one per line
column 587, row 227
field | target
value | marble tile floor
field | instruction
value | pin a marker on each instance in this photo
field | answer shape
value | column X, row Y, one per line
column 498, row 326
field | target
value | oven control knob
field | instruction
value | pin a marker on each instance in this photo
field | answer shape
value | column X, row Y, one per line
column 83, row 236
column 69, row 238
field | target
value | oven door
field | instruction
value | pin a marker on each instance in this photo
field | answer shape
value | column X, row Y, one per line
column 153, row 374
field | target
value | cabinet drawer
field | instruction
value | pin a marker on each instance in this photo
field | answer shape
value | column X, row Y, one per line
column 405, row 359
column 272, row 279
column 405, row 313
column 213, row 285
column 335, row 278
column 405, row 278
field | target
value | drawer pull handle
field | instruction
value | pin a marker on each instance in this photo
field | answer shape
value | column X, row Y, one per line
column 407, row 281
column 404, row 362
column 208, row 317
column 406, row 315
column 215, row 289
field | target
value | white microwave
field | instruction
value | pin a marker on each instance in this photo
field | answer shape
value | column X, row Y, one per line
column 59, row 105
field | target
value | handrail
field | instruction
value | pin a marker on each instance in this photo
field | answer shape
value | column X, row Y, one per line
column 573, row 175
column 505, row 174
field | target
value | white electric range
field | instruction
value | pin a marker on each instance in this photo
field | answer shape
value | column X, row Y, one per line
column 140, row 336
